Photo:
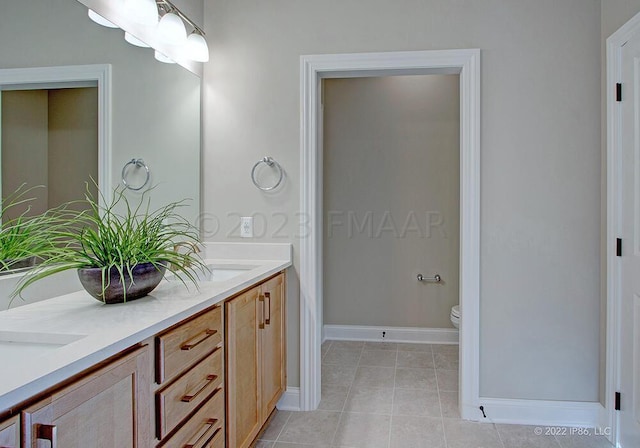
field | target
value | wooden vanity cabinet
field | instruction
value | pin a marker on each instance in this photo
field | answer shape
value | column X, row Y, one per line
column 10, row 433
column 189, row 400
column 255, row 359
column 107, row 408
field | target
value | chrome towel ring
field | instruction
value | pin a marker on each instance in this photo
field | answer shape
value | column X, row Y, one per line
column 138, row 163
column 271, row 163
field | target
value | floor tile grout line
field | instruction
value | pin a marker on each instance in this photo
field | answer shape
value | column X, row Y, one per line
column 444, row 433
column 335, row 433
column 393, row 396
column 282, row 429
column 499, row 435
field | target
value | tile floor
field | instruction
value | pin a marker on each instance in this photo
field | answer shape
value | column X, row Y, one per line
column 388, row 395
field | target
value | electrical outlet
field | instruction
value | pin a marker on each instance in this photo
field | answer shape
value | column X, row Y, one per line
column 246, row 227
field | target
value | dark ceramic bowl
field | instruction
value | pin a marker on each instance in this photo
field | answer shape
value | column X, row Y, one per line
column 146, row 277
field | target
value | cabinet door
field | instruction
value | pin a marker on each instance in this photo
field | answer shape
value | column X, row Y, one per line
column 10, row 433
column 272, row 345
column 108, row 408
column 243, row 318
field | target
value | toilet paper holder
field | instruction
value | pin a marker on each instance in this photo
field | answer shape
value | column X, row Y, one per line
column 435, row 279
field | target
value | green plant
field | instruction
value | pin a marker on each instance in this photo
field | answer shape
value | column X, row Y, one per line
column 88, row 234
column 21, row 236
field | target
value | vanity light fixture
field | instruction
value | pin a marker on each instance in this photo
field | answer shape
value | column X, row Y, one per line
column 144, row 12
column 133, row 40
column 171, row 29
column 162, row 58
column 197, row 48
column 101, row 20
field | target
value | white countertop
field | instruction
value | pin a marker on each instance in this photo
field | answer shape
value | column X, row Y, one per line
column 106, row 330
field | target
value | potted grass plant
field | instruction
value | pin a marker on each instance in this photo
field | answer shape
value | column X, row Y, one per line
column 121, row 251
column 23, row 237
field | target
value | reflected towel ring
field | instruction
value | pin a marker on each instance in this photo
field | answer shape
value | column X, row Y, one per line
column 269, row 162
column 139, row 163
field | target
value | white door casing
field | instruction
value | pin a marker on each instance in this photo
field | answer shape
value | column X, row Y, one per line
column 623, row 222
column 629, row 336
column 313, row 69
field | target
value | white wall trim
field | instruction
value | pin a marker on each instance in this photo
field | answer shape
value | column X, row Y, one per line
column 74, row 74
column 614, row 225
column 290, row 400
column 312, row 69
column 572, row 414
column 392, row 334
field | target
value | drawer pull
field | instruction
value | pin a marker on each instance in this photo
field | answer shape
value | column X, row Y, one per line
column 48, row 432
column 268, row 319
column 205, row 439
column 207, row 335
column 205, row 383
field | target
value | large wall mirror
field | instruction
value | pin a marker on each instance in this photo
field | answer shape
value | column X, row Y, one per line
column 154, row 108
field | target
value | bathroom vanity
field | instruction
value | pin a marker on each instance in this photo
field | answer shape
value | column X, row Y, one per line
column 179, row 368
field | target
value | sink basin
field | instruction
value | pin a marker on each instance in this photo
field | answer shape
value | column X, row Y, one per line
column 218, row 273
column 15, row 344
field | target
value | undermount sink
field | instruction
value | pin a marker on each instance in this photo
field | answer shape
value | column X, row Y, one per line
column 23, row 344
column 221, row 273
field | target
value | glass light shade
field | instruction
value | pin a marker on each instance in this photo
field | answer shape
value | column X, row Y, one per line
column 197, row 48
column 101, row 20
column 144, row 12
column 171, row 29
column 162, row 58
column 133, row 40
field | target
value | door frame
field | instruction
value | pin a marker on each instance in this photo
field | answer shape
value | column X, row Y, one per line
column 314, row 68
column 75, row 76
column 614, row 224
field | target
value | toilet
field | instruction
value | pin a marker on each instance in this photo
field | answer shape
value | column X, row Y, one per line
column 455, row 316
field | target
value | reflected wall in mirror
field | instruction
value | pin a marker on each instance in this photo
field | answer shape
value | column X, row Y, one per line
column 155, row 107
column 48, row 137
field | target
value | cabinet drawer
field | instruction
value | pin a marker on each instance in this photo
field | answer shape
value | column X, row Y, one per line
column 183, row 396
column 10, row 433
column 205, row 429
column 180, row 348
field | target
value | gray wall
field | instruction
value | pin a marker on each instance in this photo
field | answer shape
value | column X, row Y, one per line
column 49, row 138
column 540, row 197
column 24, row 146
column 391, row 200
column 73, row 144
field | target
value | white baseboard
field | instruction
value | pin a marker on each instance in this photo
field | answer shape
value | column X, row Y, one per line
column 290, row 400
column 539, row 412
column 391, row 334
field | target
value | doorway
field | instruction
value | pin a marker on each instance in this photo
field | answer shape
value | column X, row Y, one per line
column 466, row 64
column 391, row 152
